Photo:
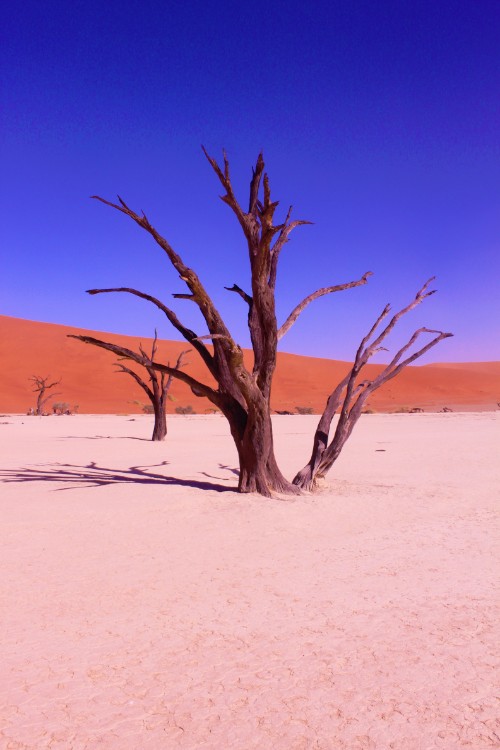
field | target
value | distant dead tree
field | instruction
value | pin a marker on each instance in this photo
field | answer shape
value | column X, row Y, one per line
column 41, row 386
column 242, row 394
column 157, row 389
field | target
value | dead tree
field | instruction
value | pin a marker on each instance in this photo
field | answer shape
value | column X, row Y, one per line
column 241, row 394
column 41, row 386
column 157, row 390
column 351, row 393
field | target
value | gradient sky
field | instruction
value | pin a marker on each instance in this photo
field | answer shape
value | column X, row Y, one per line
column 379, row 122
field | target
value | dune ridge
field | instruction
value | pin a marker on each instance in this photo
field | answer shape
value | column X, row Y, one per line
column 90, row 381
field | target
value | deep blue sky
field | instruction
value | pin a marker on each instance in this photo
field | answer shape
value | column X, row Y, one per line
column 379, row 122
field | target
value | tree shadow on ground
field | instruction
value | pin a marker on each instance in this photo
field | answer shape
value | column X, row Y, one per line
column 225, row 468
column 93, row 475
column 104, row 437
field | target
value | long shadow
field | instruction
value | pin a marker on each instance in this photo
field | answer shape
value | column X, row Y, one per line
column 93, row 475
column 226, row 468
column 104, row 437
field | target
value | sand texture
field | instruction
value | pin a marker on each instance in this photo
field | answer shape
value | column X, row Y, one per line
column 147, row 606
column 89, row 376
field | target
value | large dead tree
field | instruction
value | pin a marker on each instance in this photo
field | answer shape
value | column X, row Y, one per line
column 243, row 395
column 40, row 386
column 156, row 388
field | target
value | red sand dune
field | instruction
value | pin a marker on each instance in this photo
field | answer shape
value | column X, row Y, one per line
column 89, row 379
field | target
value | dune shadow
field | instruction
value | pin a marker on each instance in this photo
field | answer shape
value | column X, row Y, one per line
column 93, row 475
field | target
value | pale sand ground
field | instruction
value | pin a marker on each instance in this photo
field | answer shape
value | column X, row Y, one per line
column 139, row 614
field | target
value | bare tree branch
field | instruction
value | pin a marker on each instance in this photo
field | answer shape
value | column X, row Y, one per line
column 235, row 288
column 255, row 185
column 180, row 363
column 315, row 295
column 214, row 337
column 419, row 297
column 284, row 231
column 188, row 334
column 230, row 197
column 207, row 308
column 195, row 385
column 40, row 383
column 226, row 368
column 137, row 379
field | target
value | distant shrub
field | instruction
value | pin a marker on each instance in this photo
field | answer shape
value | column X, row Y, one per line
column 368, row 411
column 403, row 410
column 145, row 408
column 61, row 407
column 184, row 409
column 304, row 409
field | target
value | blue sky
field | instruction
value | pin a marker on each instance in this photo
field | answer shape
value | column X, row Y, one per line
column 379, row 122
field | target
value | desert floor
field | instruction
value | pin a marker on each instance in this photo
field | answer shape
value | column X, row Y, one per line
column 147, row 606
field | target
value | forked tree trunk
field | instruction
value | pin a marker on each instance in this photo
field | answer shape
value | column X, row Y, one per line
column 323, row 455
column 353, row 393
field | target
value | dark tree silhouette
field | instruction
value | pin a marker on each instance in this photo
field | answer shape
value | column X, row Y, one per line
column 243, row 395
column 157, row 388
column 41, row 386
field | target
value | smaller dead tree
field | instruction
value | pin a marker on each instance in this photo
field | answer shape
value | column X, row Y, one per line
column 351, row 393
column 157, row 390
column 41, row 386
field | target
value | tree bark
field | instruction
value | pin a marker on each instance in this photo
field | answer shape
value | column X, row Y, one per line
column 160, row 427
column 258, row 469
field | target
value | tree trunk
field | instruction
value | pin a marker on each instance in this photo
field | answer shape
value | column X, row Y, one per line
column 259, row 471
column 319, row 464
column 39, row 403
column 160, row 428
